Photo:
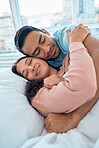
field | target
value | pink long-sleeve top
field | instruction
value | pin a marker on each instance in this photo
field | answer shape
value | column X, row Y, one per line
column 79, row 86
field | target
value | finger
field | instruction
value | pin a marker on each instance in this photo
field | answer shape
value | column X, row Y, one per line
column 89, row 33
column 50, row 131
column 80, row 25
column 47, row 86
column 52, row 84
column 76, row 27
column 88, row 29
column 46, row 82
column 47, row 125
column 67, row 31
column 86, row 26
column 46, row 120
column 46, row 79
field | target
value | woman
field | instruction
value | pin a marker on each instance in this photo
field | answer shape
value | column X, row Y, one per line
column 78, row 84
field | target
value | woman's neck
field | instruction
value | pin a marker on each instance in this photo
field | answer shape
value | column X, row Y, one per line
column 53, row 71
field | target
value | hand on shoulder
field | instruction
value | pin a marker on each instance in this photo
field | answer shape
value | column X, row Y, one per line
column 78, row 34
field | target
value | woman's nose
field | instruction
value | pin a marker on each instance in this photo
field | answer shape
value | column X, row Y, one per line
column 31, row 67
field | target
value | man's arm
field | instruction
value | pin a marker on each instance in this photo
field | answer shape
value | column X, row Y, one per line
column 60, row 123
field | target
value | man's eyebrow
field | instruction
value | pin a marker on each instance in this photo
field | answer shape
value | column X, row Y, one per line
column 40, row 39
column 38, row 43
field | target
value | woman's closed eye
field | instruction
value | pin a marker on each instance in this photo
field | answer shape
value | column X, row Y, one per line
column 26, row 75
column 30, row 61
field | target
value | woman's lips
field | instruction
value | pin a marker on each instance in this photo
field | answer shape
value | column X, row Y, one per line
column 37, row 70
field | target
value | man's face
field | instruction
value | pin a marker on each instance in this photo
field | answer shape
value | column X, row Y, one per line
column 41, row 45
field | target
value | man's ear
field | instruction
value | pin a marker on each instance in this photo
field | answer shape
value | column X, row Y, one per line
column 45, row 31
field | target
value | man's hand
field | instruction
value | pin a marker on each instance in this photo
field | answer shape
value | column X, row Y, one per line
column 60, row 123
column 52, row 80
column 78, row 34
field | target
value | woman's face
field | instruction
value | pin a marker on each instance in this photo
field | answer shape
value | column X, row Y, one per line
column 33, row 68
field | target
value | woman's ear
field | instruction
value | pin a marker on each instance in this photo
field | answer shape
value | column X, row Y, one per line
column 45, row 31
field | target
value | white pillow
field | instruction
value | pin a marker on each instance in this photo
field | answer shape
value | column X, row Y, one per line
column 18, row 120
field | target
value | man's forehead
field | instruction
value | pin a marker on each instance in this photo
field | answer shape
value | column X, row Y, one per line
column 36, row 33
column 33, row 37
column 31, row 42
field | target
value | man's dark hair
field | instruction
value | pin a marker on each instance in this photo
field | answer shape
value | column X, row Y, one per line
column 21, row 35
column 14, row 67
column 32, row 87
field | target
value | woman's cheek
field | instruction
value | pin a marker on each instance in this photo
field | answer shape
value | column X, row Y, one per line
column 30, row 77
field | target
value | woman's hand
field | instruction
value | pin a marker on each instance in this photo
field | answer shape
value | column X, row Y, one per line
column 78, row 34
column 52, row 80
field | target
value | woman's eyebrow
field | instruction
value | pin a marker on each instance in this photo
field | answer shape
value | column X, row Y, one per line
column 25, row 64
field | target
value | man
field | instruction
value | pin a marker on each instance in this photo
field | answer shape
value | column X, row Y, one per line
column 40, row 44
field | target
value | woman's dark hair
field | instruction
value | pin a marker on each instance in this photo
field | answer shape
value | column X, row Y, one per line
column 32, row 87
column 21, row 35
column 14, row 67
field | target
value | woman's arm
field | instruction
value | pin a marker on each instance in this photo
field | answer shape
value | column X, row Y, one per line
column 60, row 123
column 79, row 85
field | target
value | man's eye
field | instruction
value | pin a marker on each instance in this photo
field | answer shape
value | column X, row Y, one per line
column 43, row 40
column 37, row 52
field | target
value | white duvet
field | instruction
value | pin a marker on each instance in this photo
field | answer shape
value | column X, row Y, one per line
column 23, row 127
column 84, row 136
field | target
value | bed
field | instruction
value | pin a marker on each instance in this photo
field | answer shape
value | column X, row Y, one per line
column 21, row 126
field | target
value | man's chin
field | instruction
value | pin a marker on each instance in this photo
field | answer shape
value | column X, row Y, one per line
column 52, row 59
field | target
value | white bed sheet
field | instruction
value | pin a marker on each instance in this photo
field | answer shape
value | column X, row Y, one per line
column 23, row 127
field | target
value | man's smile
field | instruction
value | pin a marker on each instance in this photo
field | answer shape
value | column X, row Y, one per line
column 52, row 52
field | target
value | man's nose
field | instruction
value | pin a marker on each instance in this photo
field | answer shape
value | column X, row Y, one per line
column 46, row 49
